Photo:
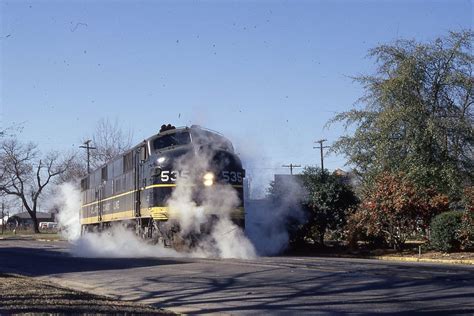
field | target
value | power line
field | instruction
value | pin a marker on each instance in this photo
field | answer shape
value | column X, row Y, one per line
column 291, row 166
column 88, row 148
column 321, row 147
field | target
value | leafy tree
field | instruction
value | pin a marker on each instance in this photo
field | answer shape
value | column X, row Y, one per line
column 395, row 208
column 24, row 174
column 359, row 228
column 328, row 202
column 416, row 115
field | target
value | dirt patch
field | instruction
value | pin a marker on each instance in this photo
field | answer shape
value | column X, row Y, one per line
column 435, row 255
column 411, row 252
column 19, row 294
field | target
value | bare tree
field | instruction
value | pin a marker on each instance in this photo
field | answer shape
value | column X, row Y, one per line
column 109, row 140
column 6, row 205
column 9, row 131
column 76, row 170
column 24, row 174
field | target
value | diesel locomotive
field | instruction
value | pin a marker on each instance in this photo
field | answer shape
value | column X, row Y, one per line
column 133, row 188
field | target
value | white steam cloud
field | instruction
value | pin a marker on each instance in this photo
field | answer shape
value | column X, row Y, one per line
column 225, row 239
column 118, row 242
column 68, row 199
column 268, row 220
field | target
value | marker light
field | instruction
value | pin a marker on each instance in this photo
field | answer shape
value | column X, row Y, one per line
column 208, row 179
column 161, row 159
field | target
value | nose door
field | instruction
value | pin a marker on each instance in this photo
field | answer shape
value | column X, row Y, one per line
column 100, row 204
column 139, row 177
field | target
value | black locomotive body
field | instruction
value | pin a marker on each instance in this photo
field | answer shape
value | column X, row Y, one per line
column 134, row 187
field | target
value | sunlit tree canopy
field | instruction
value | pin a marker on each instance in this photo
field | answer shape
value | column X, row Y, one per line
column 416, row 114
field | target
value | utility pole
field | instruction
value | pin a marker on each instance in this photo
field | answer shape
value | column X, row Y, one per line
column 321, row 147
column 88, row 148
column 3, row 217
column 291, row 166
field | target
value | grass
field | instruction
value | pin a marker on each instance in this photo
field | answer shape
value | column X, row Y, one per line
column 30, row 234
column 21, row 295
column 411, row 250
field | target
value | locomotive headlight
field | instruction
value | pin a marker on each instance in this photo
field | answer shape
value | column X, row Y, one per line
column 161, row 159
column 208, row 179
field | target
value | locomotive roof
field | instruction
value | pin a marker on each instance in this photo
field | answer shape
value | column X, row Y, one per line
column 170, row 131
column 184, row 128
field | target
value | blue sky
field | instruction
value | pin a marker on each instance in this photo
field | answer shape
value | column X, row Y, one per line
column 267, row 74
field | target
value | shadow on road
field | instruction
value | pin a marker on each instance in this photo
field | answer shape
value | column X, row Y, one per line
column 263, row 286
column 373, row 289
column 42, row 262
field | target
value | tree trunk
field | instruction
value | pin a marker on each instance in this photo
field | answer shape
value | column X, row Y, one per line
column 321, row 237
column 32, row 212
column 35, row 223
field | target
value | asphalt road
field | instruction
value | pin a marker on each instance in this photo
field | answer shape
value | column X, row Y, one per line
column 277, row 285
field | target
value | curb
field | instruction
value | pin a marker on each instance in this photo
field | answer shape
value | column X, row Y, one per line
column 405, row 259
column 427, row 260
column 29, row 238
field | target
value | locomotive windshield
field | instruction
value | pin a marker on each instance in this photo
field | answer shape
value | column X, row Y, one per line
column 169, row 140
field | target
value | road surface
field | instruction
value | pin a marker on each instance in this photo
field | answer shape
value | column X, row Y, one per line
column 269, row 285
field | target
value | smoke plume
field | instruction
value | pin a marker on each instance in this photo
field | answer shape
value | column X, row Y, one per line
column 115, row 242
column 118, row 242
column 69, row 202
column 269, row 220
column 225, row 239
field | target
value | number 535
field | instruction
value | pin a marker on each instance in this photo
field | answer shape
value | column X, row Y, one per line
column 232, row 176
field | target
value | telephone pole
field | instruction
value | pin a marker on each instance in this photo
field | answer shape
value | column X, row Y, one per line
column 291, row 166
column 321, row 147
column 88, row 148
column 3, row 217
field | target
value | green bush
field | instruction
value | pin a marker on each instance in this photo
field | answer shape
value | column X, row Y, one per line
column 444, row 231
column 466, row 232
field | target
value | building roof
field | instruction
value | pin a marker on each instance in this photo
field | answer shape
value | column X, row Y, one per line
column 340, row 172
column 26, row 215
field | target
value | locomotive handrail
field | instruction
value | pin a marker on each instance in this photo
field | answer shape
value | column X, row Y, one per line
column 206, row 129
